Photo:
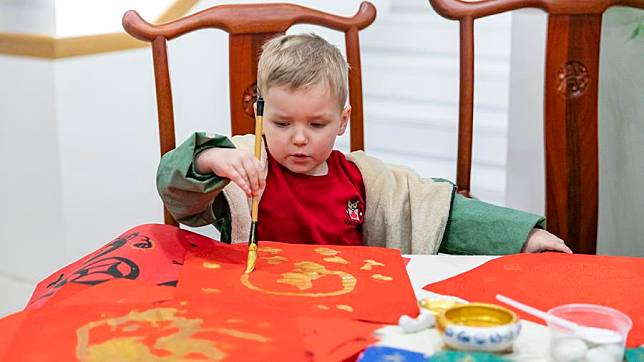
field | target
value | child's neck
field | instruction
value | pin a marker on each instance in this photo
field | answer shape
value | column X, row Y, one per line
column 321, row 170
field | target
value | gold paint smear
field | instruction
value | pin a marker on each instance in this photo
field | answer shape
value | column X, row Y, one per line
column 131, row 328
column 302, row 276
column 323, row 307
column 336, row 259
column 269, row 249
column 240, row 334
column 276, row 259
column 369, row 264
column 297, row 280
column 179, row 344
column 211, row 290
column 344, row 307
column 326, row 251
column 381, row 277
column 210, row 265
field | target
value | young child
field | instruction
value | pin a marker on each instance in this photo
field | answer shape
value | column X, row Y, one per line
column 313, row 194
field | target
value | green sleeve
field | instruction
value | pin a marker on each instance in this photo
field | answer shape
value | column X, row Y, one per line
column 193, row 199
column 476, row 227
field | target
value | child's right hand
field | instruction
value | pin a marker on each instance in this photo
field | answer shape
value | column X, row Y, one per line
column 238, row 165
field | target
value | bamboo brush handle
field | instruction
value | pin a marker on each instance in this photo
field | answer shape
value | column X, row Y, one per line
column 258, row 152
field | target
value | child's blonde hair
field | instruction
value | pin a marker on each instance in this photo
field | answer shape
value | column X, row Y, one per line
column 299, row 61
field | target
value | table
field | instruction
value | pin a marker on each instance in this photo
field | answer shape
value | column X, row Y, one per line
column 531, row 345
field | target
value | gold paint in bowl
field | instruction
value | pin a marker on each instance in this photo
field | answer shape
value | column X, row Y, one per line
column 478, row 327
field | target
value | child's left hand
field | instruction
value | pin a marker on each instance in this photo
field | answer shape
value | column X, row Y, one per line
column 540, row 240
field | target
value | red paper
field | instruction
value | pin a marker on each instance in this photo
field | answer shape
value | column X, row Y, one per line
column 115, row 303
column 551, row 279
column 406, row 260
column 147, row 333
column 336, row 339
column 359, row 283
column 174, row 330
column 153, row 253
column 9, row 325
column 118, row 291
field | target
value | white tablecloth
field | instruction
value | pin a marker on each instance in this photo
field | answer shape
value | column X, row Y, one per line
column 532, row 344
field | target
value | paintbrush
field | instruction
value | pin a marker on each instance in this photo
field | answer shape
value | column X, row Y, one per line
column 252, row 239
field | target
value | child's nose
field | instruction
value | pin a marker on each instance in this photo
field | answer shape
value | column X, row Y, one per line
column 299, row 138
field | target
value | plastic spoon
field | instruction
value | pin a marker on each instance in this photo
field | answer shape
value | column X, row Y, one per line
column 591, row 334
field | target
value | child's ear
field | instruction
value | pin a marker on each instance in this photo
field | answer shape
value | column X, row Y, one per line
column 344, row 120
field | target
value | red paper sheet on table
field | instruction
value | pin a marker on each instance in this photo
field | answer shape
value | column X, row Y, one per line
column 153, row 253
column 406, row 260
column 171, row 330
column 113, row 301
column 152, row 333
column 551, row 279
column 360, row 283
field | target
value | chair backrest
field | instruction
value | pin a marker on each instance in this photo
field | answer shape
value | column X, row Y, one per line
column 570, row 100
column 248, row 26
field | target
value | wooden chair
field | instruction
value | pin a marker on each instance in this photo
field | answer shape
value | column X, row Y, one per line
column 571, row 77
column 248, row 26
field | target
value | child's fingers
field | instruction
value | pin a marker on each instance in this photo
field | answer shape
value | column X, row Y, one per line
column 239, row 177
column 250, row 166
column 557, row 245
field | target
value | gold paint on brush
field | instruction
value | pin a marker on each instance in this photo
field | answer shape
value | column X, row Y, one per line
column 252, row 258
column 370, row 264
column 382, row 277
column 326, row 251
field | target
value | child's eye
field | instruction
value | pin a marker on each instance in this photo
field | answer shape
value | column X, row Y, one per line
column 281, row 124
column 318, row 125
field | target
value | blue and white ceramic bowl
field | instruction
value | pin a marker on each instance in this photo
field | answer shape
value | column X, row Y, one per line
column 479, row 327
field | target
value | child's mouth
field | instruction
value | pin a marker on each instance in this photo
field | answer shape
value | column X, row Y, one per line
column 299, row 157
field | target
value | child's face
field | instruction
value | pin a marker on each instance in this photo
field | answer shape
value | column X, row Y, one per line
column 300, row 126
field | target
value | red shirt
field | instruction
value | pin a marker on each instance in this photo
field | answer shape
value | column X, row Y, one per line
column 303, row 209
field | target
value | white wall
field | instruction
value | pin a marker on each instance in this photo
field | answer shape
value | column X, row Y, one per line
column 84, row 17
column 32, row 16
column 621, row 135
column 31, row 239
column 525, row 166
column 621, row 126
